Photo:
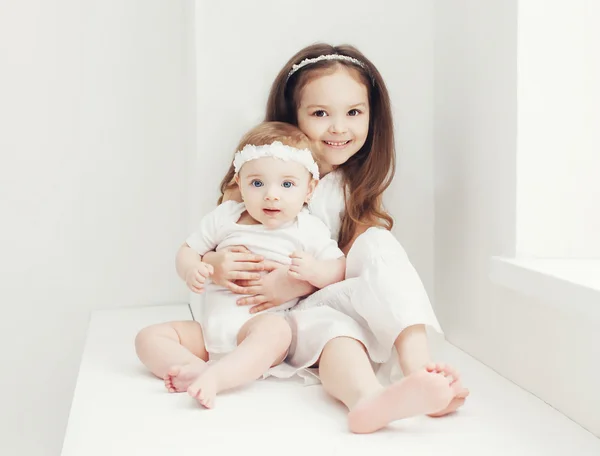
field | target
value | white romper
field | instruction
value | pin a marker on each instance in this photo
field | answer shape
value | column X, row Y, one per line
column 381, row 296
column 221, row 318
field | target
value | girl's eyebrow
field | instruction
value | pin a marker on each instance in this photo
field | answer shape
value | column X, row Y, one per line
column 356, row 105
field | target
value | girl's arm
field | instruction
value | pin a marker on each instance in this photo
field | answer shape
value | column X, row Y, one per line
column 360, row 229
column 319, row 273
column 273, row 289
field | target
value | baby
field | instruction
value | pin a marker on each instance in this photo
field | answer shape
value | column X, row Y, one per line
column 276, row 175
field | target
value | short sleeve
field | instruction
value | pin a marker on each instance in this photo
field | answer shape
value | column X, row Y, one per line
column 318, row 238
column 328, row 202
column 211, row 230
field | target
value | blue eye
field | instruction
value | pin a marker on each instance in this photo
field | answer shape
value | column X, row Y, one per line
column 256, row 183
column 353, row 112
column 287, row 184
column 319, row 113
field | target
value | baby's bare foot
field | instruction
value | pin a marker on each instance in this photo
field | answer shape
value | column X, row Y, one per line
column 204, row 389
column 420, row 393
column 460, row 393
column 179, row 378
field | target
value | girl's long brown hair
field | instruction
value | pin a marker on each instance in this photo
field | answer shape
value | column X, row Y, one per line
column 370, row 171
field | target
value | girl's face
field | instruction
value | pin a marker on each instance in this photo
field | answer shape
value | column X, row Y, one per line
column 334, row 113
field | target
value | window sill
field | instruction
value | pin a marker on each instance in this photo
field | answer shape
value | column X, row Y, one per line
column 568, row 284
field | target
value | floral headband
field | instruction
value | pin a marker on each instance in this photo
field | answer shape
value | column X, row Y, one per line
column 276, row 150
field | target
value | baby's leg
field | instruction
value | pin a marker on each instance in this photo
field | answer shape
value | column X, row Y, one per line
column 263, row 342
column 173, row 351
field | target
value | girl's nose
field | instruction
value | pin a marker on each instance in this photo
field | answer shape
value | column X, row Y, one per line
column 338, row 126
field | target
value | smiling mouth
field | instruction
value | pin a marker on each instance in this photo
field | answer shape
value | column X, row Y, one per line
column 338, row 144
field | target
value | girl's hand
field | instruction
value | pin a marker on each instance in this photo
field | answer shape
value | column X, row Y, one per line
column 196, row 276
column 272, row 289
column 234, row 263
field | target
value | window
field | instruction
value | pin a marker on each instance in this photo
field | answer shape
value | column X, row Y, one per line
column 558, row 141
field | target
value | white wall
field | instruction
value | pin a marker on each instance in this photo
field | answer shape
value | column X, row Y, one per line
column 239, row 57
column 100, row 182
column 558, row 215
column 549, row 352
column 96, row 112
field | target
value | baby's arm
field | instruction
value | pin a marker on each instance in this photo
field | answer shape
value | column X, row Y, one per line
column 189, row 262
column 324, row 263
column 191, row 269
column 318, row 273
column 186, row 259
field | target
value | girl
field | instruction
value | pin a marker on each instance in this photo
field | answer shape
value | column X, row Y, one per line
column 337, row 97
column 275, row 174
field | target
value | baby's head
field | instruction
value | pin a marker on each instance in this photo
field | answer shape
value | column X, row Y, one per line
column 275, row 172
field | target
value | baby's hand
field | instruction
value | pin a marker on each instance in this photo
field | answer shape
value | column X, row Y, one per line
column 196, row 276
column 303, row 267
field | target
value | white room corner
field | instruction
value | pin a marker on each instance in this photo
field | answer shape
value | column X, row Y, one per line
column 119, row 120
column 516, row 260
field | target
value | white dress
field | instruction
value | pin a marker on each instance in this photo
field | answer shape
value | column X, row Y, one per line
column 381, row 296
column 221, row 318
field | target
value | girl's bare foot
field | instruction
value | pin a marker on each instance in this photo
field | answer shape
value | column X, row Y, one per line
column 422, row 392
column 460, row 393
column 179, row 378
column 204, row 389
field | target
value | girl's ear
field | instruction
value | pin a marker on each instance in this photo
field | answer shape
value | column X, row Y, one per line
column 311, row 188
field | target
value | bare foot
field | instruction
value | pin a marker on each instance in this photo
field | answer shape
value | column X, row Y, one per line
column 204, row 389
column 460, row 393
column 179, row 378
column 420, row 393
column 454, row 404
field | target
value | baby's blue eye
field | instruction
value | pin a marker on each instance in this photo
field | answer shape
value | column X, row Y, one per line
column 287, row 184
column 319, row 113
column 256, row 183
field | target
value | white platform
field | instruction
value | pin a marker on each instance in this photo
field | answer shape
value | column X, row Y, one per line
column 120, row 409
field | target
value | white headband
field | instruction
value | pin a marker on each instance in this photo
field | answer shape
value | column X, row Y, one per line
column 344, row 58
column 276, row 150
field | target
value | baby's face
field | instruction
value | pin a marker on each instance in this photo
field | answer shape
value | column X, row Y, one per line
column 274, row 190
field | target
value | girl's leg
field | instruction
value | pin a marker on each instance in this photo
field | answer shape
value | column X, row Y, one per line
column 263, row 342
column 347, row 375
column 173, row 351
column 392, row 300
column 412, row 346
column 413, row 355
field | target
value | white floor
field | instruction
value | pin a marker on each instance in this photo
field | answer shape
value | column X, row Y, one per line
column 120, row 409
